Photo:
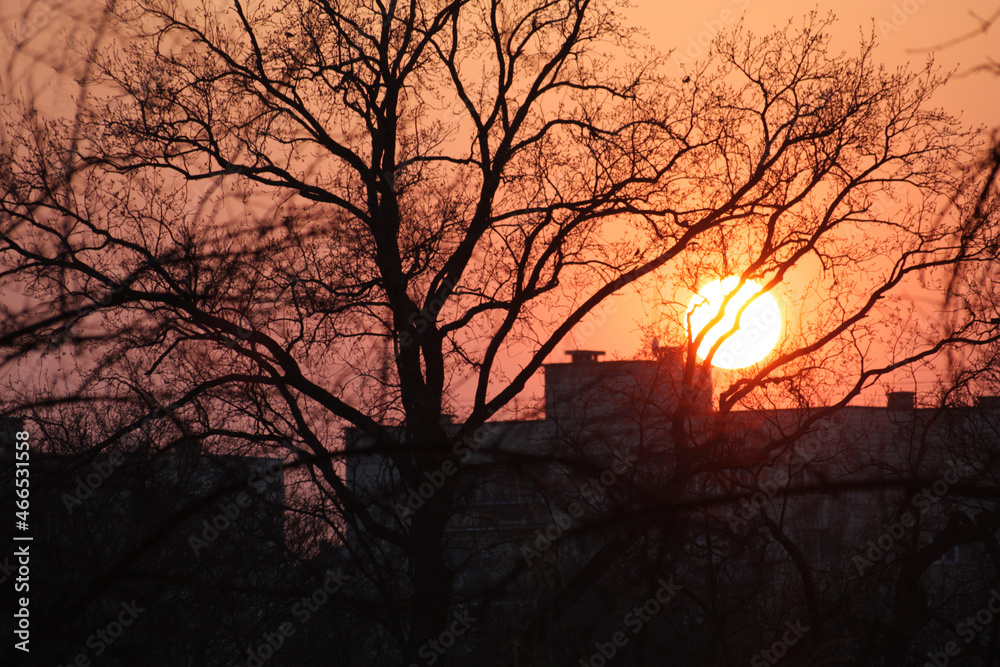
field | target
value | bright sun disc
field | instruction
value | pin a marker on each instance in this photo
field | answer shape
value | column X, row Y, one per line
column 760, row 323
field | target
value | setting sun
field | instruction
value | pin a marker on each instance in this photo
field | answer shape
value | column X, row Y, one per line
column 759, row 326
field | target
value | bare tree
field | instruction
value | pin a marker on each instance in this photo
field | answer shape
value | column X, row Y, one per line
column 272, row 222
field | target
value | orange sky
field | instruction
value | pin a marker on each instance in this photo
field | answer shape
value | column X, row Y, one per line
column 903, row 37
column 907, row 30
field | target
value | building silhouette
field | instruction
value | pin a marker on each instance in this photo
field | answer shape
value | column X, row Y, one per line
column 860, row 508
column 867, row 528
column 141, row 554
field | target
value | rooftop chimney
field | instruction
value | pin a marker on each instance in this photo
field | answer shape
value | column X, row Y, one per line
column 582, row 356
column 901, row 400
column 988, row 402
column 186, row 446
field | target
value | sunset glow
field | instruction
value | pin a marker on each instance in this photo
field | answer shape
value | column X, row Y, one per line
column 759, row 324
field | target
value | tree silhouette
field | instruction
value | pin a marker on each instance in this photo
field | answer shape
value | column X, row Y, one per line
column 265, row 224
